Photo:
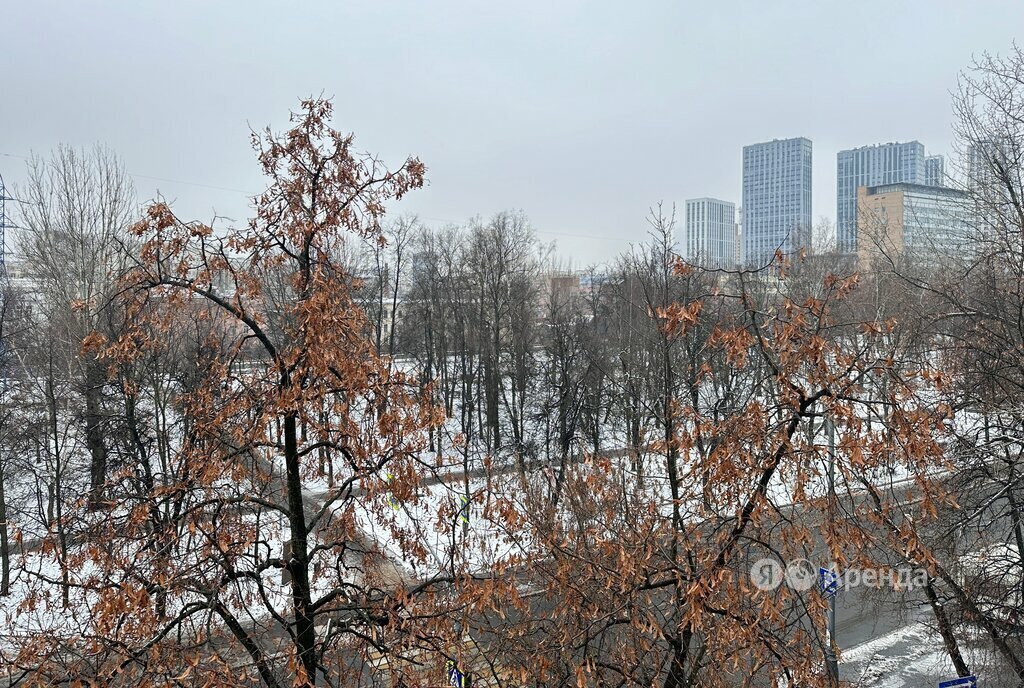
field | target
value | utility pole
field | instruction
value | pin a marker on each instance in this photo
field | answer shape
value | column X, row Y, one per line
column 830, row 652
column 3, row 224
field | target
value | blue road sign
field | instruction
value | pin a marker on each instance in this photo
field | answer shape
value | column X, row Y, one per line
column 455, row 677
column 962, row 682
column 828, row 582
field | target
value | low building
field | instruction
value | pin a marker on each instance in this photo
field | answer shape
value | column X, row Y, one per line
column 895, row 219
column 560, row 291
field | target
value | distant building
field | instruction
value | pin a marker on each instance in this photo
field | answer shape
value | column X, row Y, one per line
column 710, row 238
column 776, row 198
column 989, row 164
column 887, row 163
column 893, row 219
column 935, row 170
column 593, row 283
column 994, row 182
column 562, row 289
column 739, row 236
column 982, row 162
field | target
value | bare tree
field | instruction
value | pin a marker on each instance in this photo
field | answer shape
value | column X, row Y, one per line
column 76, row 206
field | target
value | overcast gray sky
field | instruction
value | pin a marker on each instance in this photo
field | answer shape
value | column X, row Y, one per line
column 582, row 114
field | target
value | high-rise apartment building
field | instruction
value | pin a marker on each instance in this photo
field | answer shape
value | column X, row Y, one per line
column 739, row 236
column 887, row 163
column 934, row 171
column 988, row 163
column 776, row 198
column 710, row 232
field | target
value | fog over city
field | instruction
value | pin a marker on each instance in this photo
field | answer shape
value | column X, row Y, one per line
column 582, row 114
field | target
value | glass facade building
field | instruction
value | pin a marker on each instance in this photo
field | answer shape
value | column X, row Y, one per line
column 934, row 171
column 987, row 165
column 887, row 163
column 926, row 220
column 776, row 198
column 710, row 238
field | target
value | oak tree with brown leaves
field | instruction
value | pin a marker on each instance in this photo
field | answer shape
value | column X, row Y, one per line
column 245, row 555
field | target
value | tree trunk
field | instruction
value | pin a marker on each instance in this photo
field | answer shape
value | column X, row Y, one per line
column 298, row 564
column 946, row 630
column 94, row 433
column 5, row 551
column 57, row 500
column 677, row 674
column 1018, row 528
column 491, row 382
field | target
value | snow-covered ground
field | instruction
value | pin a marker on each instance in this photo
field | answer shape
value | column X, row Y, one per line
column 910, row 657
column 444, row 525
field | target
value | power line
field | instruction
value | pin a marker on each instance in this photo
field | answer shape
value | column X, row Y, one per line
column 163, row 179
column 206, row 186
column 3, row 224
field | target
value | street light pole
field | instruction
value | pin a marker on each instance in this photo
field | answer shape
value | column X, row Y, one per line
column 831, row 662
